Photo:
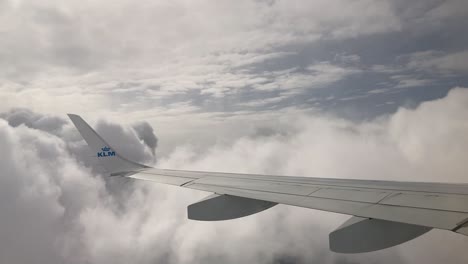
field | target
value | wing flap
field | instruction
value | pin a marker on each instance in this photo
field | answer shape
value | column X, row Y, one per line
column 463, row 229
column 448, row 220
column 429, row 201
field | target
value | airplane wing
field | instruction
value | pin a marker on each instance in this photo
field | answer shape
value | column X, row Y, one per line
column 384, row 213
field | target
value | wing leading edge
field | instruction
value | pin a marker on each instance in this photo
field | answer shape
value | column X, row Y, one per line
column 391, row 212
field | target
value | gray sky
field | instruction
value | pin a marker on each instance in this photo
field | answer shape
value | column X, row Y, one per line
column 350, row 89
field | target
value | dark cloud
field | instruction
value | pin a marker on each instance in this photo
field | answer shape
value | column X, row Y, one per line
column 24, row 116
column 145, row 133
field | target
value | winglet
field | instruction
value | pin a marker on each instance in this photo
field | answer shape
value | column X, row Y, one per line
column 112, row 161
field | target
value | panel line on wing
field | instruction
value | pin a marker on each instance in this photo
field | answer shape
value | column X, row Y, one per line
column 324, row 183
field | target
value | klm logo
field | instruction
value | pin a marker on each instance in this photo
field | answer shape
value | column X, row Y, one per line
column 106, row 152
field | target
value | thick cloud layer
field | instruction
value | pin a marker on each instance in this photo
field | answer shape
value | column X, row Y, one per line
column 57, row 208
column 138, row 140
column 158, row 60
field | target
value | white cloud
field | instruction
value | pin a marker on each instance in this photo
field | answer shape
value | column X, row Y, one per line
column 130, row 92
column 263, row 102
column 89, row 34
column 79, row 53
column 406, row 81
column 379, row 68
column 316, row 75
column 438, row 61
column 57, row 210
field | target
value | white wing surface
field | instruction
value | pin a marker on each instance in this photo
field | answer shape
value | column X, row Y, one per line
column 385, row 213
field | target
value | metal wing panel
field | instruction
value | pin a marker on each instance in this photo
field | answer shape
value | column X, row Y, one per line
column 448, row 220
column 164, row 176
column 426, row 217
column 268, row 186
column 443, row 206
column 174, row 173
column 337, row 206
column 357, row 195
column 389, row 186
column 171, row 180
column 259, row 195
column 430, row 201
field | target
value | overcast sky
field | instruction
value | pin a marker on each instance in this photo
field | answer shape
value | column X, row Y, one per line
column 349, row 89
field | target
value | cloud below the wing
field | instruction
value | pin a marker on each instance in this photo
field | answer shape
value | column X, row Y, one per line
column 57, row 208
